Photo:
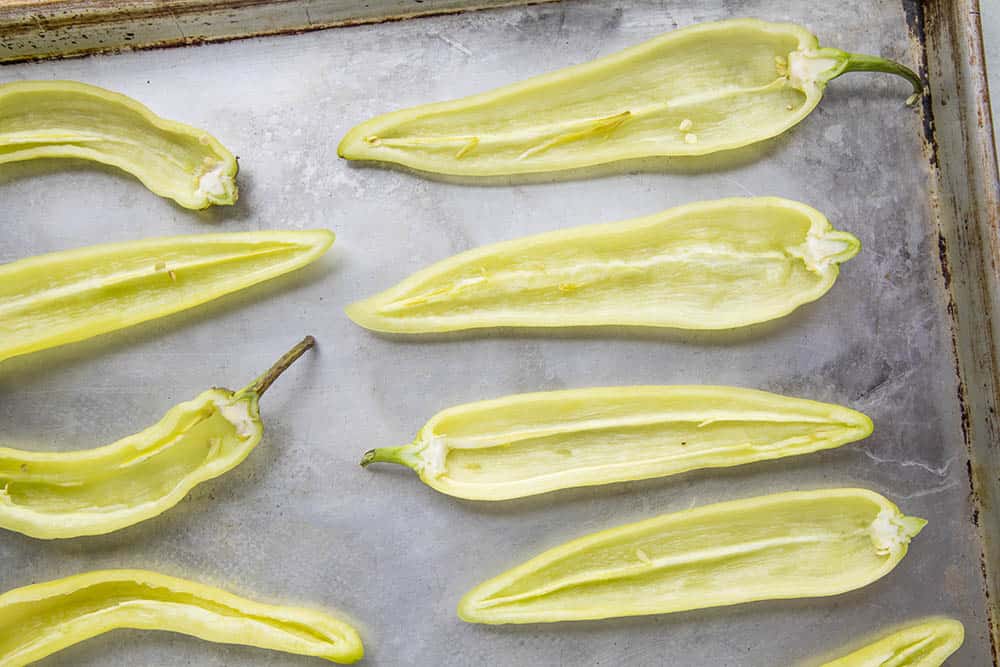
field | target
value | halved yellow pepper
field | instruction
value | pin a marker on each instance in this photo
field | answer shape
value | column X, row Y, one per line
column 526, row 444
column 782, row 546
column 41, row 619
column 68, row 296
column 925, row 644
column 706, row 88
column 94, row 491
column 709, row 265
column 67, row 119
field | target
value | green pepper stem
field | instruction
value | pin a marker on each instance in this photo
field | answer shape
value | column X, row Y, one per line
column 261, row 384
column 859, row 62
column 400, row 455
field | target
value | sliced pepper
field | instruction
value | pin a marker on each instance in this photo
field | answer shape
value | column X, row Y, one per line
column 94, row 491
column 526, row 444
column 67, row 119
column 41, row 619
column 68, row 296
column 709, row 265
column 706, row 88
column 782, row 546
column 925, row 644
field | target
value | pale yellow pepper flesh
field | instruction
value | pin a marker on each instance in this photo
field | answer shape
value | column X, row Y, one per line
column 41, row 619
column 527, row 444
column 927, row 643
column 781, row 546
column 68, row 296
column 52, row 495
column 68, row 119
column 709, row 265
column 701, row 89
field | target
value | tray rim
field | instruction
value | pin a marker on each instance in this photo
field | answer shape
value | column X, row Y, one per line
column 54, row 29
column 965, row 200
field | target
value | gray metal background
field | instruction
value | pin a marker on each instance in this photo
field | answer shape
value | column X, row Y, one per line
column 300, row 522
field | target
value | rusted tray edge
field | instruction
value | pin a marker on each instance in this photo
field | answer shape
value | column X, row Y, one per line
column 966, row 203
column 66, row 28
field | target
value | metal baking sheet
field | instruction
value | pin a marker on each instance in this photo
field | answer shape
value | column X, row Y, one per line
column 300, row 522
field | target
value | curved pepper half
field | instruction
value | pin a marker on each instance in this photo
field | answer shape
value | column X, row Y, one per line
column 925, row 644
column 68, row 296
column 67, row 119
column 94, row 491
column 709, row 265
column 706, row 88
column 533, row 443
column 41, row 619
column 782, row 546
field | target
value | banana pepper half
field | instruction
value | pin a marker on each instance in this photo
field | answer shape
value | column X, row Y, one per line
column 67, row 119
column 94, row 491
column 782, row 546
column 526, row 444
column 709, row 265
column 41, row 619
column 702, row 89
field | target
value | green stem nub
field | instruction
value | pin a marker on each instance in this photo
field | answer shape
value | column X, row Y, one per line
column 859, row 62
column 261, row 384
column 400, row 455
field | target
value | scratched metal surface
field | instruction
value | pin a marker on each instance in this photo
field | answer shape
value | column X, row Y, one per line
column 300, row 522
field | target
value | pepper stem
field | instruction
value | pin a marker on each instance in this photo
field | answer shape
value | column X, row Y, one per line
column 859, row 62
column 400, row 455
column 261, row 384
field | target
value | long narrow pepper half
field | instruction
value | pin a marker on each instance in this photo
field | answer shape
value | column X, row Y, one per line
column 41, row 619
column 788, row 545
column 927, row 643
column 66, row 119
column 533, row 443
column 706, row 88
column 94, row 491
column 710, row 265
column 68, row 296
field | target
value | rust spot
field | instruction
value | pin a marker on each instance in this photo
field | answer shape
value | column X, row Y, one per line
column 917, row 24
column 972, row 491
column 989, row 608
column 945, row 266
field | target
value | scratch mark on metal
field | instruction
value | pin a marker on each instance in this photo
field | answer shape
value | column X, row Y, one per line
column 927, row 492
column 938, row 472
column 739, row 185
column 455, row 44
column 178, row 24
